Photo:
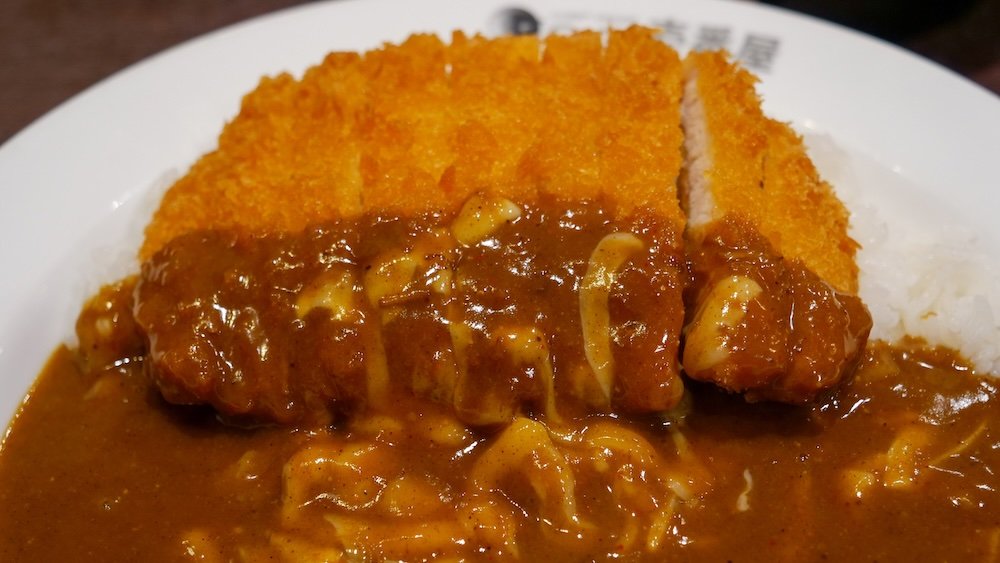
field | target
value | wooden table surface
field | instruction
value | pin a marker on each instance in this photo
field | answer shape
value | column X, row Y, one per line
column 53, row 49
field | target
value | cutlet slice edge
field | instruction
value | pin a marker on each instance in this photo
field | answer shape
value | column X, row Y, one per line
column 740, row 162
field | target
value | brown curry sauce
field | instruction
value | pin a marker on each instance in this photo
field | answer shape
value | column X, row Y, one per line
column 898, row 464
column 483, row 311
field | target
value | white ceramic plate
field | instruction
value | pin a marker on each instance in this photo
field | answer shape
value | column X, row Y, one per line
column 77, row 185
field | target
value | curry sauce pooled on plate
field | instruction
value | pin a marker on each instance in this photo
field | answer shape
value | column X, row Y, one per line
column 489, row 300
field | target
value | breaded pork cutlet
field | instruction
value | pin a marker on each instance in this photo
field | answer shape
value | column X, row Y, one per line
column 464, row 144
column 421, row 126
column 772, row 311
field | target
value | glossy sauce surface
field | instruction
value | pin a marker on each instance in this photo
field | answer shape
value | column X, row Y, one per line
column 898, row 466
column 440, row 387
column 764, row 325
column 497, row 311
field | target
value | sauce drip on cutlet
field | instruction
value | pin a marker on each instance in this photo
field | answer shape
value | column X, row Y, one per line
column 496, row 311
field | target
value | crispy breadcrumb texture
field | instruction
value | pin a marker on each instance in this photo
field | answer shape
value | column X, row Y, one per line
column 758, row 168
column 420, row 126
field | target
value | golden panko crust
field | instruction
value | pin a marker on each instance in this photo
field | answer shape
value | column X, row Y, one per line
column 760, row 170
column 419, row 126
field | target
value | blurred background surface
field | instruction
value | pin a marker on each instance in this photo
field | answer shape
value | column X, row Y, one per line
column 53, row 49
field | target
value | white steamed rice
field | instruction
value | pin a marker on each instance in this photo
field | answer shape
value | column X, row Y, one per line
column 922, row 273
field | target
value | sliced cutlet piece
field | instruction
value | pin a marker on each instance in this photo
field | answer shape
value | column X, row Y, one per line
column 772, row 311
column 482, row 136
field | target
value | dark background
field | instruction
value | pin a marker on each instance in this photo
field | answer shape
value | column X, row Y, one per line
column 52, row 49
